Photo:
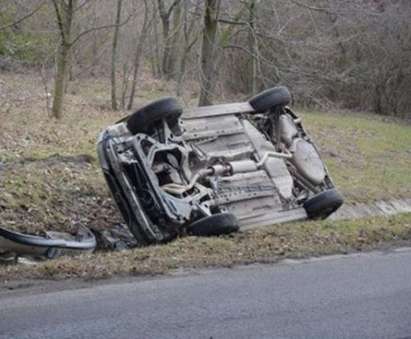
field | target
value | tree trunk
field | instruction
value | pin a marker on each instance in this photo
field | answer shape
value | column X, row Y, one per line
column 153, row 60
column 114, row 57
column 124, row 87
column 185, row 49
column 94, row 42
column 157, row 48
column 60, row 81
column 167, row 46
column 137, row 56
column 252, row 45
column 180, row 74
column 64, row 14
column 208, row 51
column 167, row 39
column 175, row 42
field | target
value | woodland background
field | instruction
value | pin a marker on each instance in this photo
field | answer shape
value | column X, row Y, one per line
column 352, row 54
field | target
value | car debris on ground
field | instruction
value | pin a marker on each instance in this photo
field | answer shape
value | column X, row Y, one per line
column 51, row 245
column 116, row 238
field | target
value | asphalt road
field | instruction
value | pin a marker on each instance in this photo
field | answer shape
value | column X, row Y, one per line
column 358, row 296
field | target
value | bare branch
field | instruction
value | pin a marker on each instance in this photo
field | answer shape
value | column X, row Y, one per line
column 34, row 11
column 82, row 4
column 232, row 22
column 87, row 31
column 312, row 8
column 59, row 21
column 170, row 10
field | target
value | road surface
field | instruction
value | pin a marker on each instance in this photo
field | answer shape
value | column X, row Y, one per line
column 356, row 296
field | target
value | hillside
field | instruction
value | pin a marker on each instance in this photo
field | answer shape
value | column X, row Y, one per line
column 50, row 178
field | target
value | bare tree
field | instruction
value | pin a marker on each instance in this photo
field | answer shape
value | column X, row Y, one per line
column 354, row 54
column 165, row 15
column 65, row 11
column 24, row 17
column 208, row 49
column 114, row 55
column 252, row 45
column 64, row 14
column 190, row 37
column 156, row 48
column 138, row 53
column 175, row 39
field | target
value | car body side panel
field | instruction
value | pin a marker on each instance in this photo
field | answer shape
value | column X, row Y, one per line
column 219, row 110
column 207, row 127
column 271, row 218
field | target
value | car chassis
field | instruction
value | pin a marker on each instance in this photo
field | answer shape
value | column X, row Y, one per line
column 214, row 169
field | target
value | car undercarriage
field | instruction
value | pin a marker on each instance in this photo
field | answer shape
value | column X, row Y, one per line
column 215, row 169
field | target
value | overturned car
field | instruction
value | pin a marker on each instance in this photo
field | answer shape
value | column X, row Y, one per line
column 215, row 169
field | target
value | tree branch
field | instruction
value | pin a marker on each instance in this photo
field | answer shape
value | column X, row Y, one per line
column 24, row 17
column 87, row 31
column 170, row 10
column 231, row 22
column 59, row 21
column 312, row 8
column 85, row 2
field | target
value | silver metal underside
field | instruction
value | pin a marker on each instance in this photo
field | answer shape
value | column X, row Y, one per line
column 258, row 198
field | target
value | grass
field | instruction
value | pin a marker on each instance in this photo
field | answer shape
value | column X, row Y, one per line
column 50, row 180
column 267, row 245
column 57, row 193
column 368, row 157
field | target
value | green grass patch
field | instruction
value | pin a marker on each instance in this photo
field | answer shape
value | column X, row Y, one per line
column 368, row 157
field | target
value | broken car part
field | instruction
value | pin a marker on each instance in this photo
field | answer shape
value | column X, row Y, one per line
column 49, row 246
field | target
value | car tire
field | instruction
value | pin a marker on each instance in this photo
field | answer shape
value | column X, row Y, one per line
column 270, row 98
column 214, row 225
column 167, row 108
column 321, row 205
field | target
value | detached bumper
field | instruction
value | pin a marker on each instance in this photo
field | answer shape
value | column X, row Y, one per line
column 25, row 244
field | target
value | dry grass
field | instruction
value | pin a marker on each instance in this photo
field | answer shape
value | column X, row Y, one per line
column 50, row 179
column 49, row 176
column 266, row 245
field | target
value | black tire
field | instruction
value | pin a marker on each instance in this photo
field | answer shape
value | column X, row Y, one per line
column 270, row 98
column 217, row 224
column 166, row 108
column 323, row 204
